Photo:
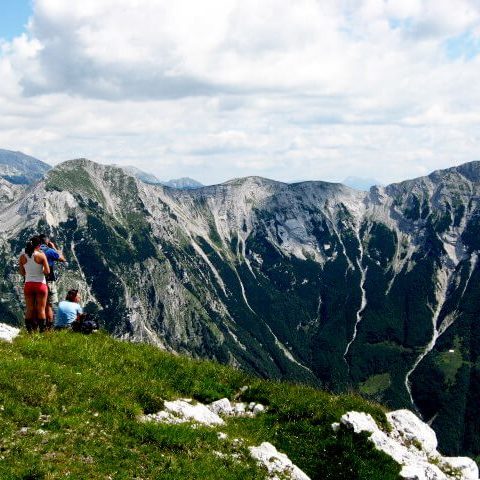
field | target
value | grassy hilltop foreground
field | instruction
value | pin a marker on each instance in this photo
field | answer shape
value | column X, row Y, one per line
column 70, row 404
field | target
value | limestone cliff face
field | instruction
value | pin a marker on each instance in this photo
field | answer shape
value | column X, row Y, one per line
column 9, row 192
column 311, row 281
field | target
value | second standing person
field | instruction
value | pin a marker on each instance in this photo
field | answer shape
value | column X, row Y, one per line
column 53, row 255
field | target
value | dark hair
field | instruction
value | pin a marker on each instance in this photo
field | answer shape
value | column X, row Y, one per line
column 31, row 245
column 71, row 294
column 43, row 237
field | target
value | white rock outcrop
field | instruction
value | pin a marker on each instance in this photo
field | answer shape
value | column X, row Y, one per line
column 412, row 444
column 407, row 427
column 196, row 412
column 7, row 332
column 465, row 465
column 183, row 411
column 237, row 409
column 279, row 466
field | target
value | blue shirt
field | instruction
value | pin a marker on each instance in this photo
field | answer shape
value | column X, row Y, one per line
column 52, row 256
column 67, row 313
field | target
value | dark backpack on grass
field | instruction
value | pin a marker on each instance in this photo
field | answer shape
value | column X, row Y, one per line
column 87, row 325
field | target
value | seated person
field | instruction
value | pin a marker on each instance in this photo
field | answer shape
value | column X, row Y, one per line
column 69, row 310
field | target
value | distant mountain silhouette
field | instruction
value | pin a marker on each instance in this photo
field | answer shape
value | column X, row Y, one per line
column 18, row 168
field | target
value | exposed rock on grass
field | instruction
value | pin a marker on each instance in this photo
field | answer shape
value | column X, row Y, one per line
column 183, row 411
column 7, row 332
column 236, row 409
column 87, row 426
column 412, row 444
column 279, row 466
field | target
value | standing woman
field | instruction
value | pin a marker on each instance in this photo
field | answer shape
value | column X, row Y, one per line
column 34, row 267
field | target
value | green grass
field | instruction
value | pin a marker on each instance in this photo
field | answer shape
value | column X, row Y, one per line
column 69, row 407
column 449, row 362
column 77, row 180
column 375, row 384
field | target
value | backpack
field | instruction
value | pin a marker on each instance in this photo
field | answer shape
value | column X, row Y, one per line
column 87, row 325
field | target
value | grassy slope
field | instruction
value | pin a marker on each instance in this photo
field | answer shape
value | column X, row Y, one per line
column 86, row 392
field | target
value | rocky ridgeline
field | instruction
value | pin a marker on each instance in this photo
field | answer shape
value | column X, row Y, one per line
column 278, row 465
column 412, row 444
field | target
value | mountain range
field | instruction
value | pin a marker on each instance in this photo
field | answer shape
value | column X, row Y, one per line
column 314, row 282
column 19, row 169
column 184, row 183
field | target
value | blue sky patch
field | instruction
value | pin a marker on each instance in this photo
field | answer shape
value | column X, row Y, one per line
column 14, row 16
column 401, row 24
column 465, row 46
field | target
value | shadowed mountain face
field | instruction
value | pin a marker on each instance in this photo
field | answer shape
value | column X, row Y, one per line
column 316, row 282
column 20, row 169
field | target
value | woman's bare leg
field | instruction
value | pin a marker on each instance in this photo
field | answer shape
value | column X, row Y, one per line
column 31, row 323
column 40, row 304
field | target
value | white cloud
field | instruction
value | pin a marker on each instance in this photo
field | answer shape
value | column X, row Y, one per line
column 223, row 88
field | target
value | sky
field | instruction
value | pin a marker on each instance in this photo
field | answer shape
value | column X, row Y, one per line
column 217, row 89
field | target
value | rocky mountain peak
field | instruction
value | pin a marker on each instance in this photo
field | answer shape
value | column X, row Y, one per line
column 470, row 170
column 89, row 166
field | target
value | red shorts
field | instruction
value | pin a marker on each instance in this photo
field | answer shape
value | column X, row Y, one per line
column 31, row 288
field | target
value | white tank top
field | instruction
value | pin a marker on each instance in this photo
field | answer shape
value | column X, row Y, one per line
column 34, row 270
